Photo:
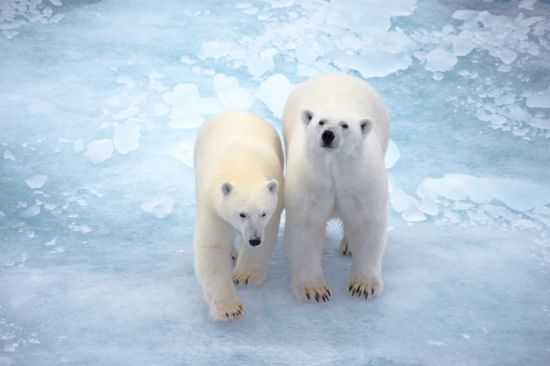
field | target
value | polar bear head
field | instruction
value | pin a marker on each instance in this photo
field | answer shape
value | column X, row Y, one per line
column 248, row 207
column 335, row 131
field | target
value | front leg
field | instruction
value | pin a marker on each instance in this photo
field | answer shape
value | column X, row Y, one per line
column 252, row 262
column 213, row 241
column 367, row 241
column 304, row 242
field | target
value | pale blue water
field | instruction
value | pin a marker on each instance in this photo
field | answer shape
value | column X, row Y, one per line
column 100, row 102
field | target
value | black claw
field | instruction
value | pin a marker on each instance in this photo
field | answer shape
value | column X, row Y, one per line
column 307, row 295
column 350, row 287
column 241, row 307
column 226, row 315
column 372, row 291
column 328, row 292
column 246, row 282
column 236, row 282
column 316, row 297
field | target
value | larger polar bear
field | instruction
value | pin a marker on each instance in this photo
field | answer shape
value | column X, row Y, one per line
column 238, row 170
column 336, row 130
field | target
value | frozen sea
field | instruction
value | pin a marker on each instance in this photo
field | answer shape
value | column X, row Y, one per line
column 100, row 103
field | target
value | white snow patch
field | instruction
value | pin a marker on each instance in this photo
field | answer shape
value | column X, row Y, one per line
column 392, row 154
column 187, row 60
column 187, row 106
column 32, row 211
column 126, row 113
column 2, row 215
column 160, row 207
column 401, row 201
column 183, row 150
column 161, row 109
column 99, row 150
column 437, row 343
column 36, row 181
column 527, row 4
column 80, row 228
column 375, row 63
column 273, row 92
column 78, row 146
column 126, row 137
column 259, row 63
column 51, row 243
column 539, row 100
column 440, row 60
column 230, row 94
column 8, row 155
column 280, row 3
column 516, row 194
column 412, row 214
column 56, row 2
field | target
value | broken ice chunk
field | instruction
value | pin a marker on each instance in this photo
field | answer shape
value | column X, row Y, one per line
column 99, row 150
column 32, row 211
column 539, row 100
column 36, row 181
column 160, row 207
column 392, row 155
column 230, row 94
column 274, row 92
column 8, row 155
column 440, row 60
column 126, row 137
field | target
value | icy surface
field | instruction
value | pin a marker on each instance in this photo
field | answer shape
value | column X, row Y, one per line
column 36, row 181
column 100, row 105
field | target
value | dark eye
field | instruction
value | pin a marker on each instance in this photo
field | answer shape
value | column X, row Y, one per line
column 243, row 215
column 321, row 123
column 344, row 125
column 264, row 214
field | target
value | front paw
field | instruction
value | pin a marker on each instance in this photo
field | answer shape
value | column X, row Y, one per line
column 365, row 286
column 248, row 277
column 227, row 310
column 344, row 248
column 313, row 292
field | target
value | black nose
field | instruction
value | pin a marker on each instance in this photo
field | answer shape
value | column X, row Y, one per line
column 327, row 136
column 255, row 242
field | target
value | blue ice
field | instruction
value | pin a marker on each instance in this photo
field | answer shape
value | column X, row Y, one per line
column 100, row 103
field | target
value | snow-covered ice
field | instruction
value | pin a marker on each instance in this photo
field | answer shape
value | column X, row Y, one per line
column 99, row 150
column 100, row 105
column 160, row 207
column 36, row 181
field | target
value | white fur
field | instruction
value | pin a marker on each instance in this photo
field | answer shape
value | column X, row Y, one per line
column 238, row 171
column 347, row 181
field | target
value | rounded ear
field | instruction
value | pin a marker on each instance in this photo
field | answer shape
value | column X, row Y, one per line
column 366, row 126
column 273, row 186
column 227, row 188
column 307, row 116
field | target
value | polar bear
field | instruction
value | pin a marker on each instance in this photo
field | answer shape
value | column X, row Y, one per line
column 336, row 130
column 238, row 163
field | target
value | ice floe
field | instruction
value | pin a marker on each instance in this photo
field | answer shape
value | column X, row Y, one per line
column 99, row 150
column 126, row 137
column 273, row 92
column 36, row 181
column 160, row 207
column 8, row 155
column 230, row 94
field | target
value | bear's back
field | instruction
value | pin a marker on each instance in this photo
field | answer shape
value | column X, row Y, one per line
column 236, row 143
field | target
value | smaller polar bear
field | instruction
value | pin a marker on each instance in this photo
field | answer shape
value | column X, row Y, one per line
column 238, row 162
column 336, row 130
